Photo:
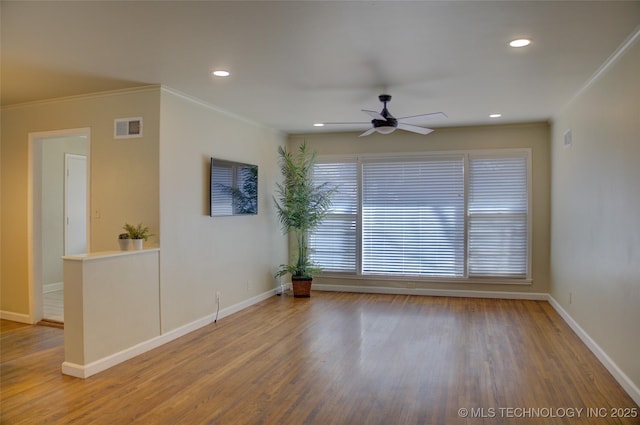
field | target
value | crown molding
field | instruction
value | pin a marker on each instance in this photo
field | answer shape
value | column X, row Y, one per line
column 604, row 68
column 95, row 95
column 215, row 108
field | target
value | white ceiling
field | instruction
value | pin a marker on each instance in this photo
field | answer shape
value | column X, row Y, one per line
column 295, row 63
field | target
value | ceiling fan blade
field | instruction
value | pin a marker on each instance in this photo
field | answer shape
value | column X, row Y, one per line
column 414, row 128
column 344, row 122
column 422, row 117
column 374, row 114
column 368, row 132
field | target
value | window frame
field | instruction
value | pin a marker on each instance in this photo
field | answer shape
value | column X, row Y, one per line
column 504, row 153
column 359, row 159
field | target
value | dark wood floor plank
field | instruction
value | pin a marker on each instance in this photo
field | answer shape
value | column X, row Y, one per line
column 336, row 358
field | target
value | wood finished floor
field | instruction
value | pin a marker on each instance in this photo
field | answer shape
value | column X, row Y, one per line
column 335, row 358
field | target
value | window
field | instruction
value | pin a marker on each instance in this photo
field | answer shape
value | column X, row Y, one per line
column 413, row 217
column 454, row 216
column 333, row 244
column 497, row 213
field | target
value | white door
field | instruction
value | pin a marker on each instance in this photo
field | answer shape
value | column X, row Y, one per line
column 75, row 204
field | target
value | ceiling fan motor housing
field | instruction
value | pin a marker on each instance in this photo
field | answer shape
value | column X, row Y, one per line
column 389, row 120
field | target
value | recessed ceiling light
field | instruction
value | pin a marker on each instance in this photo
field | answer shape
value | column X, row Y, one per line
column 495, row 115
column 520, row 42
column 318, row 124
column 221, row 73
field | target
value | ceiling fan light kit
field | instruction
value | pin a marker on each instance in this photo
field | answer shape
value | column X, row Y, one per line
column 385, row 129
column 385, row 123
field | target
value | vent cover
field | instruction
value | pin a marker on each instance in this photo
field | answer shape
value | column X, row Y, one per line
column 127, row 128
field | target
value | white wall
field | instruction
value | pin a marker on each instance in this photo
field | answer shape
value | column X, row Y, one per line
column 595, row 245
column 201, row 255
column 111, row 307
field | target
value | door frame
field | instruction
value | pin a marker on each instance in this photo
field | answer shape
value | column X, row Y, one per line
column 34, row 211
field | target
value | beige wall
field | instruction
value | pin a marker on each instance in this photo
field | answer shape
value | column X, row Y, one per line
column 202, row 255
column 236, row 256
column 124, row 175
column 534, row 136
column 595, row 247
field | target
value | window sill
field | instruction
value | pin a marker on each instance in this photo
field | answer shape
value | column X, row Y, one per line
column 421, row 279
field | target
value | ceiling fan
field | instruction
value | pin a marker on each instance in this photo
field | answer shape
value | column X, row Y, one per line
column 385, row 123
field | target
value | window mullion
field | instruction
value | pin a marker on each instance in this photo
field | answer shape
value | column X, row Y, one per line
column 466, row 215
column 359, row 221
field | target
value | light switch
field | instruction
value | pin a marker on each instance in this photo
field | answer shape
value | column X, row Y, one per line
column 568, row 139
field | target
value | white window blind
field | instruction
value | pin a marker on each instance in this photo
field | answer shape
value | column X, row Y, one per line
column 433, row 215
column 413, row 217
column 333, row 244
column 498, row 216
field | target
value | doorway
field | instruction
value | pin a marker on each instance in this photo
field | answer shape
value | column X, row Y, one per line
column 60, row 211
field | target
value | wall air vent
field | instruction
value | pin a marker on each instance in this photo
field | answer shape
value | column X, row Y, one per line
column 127, row 128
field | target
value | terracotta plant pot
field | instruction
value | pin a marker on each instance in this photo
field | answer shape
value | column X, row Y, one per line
column 301, row 286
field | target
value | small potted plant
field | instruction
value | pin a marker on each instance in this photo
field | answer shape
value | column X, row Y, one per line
column 137, row 234
column 124, row 240
column 301, row 206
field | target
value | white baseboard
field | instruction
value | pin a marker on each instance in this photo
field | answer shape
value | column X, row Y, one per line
column 624, row 381
column 85, row 371
column 244, row 304
column 15, row 317
column 432, row 292
column 52, row 287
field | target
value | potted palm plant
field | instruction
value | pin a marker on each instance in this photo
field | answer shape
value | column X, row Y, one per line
column 301, row 206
